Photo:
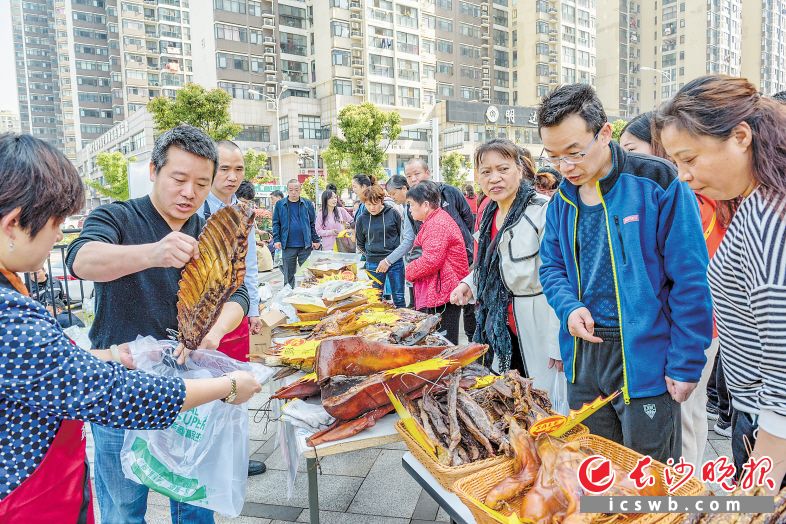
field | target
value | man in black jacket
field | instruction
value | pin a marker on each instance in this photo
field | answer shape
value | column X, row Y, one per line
column 294, row 230
column 453, row 201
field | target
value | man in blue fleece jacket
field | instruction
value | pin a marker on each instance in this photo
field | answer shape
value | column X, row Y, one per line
column 625, row 269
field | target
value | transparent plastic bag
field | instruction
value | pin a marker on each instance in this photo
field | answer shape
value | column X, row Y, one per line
column 202, row 459
column 558, row 393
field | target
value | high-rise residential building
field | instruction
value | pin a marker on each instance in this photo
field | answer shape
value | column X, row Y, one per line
column 9, row 121
column 84, row 65
column 291, row 65
column 555, row 44
column 618, row 82
column 764, row 44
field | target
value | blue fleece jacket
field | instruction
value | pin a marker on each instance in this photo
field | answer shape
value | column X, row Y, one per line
column 659, row 262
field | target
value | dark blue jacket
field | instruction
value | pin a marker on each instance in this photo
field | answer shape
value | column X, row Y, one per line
column 659, row 264
column 281, row 222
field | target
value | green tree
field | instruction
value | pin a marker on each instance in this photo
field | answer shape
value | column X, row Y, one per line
column 194, row 105
column 337, row 166
column 114, row 168
column 617, row 126
column 255, row 166
column 365, row 129
column 308, row 187
column 453, row 167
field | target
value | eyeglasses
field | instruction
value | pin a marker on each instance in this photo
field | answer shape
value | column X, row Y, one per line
column 571, row 159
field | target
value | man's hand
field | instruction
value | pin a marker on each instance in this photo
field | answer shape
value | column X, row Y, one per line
column 581, row 325
column 315, row 245
column 383, row 266
column 558, row 363
column 254, row 325
column 174, row 250
column 277, row 245
column 679, row 391
column 461, row 295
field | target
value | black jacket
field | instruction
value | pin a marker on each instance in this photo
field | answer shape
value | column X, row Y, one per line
column 455, row 204
column 378, row 235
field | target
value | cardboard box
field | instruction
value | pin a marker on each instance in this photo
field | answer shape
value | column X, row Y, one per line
column 262, row 341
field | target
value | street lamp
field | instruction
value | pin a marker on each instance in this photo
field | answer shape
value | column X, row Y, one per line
column 661, row 71
column 275, row 101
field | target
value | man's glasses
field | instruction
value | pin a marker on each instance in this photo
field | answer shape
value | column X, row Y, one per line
column 571, row 159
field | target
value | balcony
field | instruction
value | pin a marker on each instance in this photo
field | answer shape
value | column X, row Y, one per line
column 354, row 5
column 359, row 91
column 356, row 33
column 270, row 67
column 357, row 72
column 358, row 62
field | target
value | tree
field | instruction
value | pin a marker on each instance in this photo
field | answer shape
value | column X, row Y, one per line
column 255, row 167
column 453, row 167
column 337, row 166
column 114, row 168
column 617, row 126
column 365, row 128
column 308, row 187
column 194, row 105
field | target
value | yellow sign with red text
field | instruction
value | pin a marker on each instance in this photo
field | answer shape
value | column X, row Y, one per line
column 558, row 425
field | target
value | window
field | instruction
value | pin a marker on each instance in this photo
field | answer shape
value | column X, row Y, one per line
column 472, row 73
column 541, row 48
column 429, row 22
column 469, row 30
column 470, row 93
column 469, row 9
column 568, row 75
column 445, row 46
column 542, row 90
column 92, row 81
column 445, row 90
column 445, row 4
column 501, row 58
column 283, row 128
column 583, row 18
column 542, row 27
column 427, row 46
column 309, row 127
column 91, row 18
column 381, row 65
column 341, row 4
column 294, row 71
column 584, row 59
column 444, row 24
column 238, row 90
column 407, row 17
column 468, row 51
column 94, row 129
column 568, row 55
column 501, row 97
column 342, row 87
column 338, row 28
column 445, row 68
column 500, row 17
column 409, row 96
column 408, row 70
column 292, row 16
column 500, row 38
column 584, row 38
column 293, row 44
column 501, row 78
column 340, row 57
column 383, row 94
column 407, row 43
column 132, row 74
column 428, row 71
column 98, row 98
column 380, row 37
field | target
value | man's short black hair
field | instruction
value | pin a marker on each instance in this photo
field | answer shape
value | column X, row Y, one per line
column 39, row 179
column 277, row 193
column 397, row 182
column 245, row 190
column 188, row 138
column 228, row 144
column 572, row 99
column 780, row 96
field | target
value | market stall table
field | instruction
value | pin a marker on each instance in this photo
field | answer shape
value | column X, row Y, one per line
column 458, row 512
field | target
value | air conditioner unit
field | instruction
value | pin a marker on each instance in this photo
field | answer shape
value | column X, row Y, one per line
column 667, row 31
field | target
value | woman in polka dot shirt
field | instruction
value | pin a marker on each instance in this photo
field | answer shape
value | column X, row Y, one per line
column 48, row 386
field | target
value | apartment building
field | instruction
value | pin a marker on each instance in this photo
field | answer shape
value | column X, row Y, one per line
column 764, row 44
column 555, row 44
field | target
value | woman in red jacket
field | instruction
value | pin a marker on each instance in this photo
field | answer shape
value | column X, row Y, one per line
column 443, row 262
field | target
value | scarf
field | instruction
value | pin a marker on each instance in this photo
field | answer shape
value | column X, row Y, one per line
column 493, row 300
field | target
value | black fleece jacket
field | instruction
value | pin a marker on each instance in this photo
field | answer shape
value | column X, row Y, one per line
column 378, row 235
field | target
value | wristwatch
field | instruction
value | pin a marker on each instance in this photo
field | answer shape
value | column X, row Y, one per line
column 233, row 392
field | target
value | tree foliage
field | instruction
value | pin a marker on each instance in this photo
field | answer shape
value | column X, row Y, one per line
column 114, row 168
column 365, row 128
column 337, row 166
column 194, row 105
column 617, row 126
column 256, row 164
column 307, row 188
column 454, row 167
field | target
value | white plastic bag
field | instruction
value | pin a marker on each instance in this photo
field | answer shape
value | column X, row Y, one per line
column 558, row 393
column 202, row 459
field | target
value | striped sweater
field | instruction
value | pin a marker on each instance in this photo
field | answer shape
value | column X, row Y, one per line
column 748, row 281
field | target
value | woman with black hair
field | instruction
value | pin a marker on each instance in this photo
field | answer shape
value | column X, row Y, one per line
column 332, row 219
column 48, row 386
column 360, row 183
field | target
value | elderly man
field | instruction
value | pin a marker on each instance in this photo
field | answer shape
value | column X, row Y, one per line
column 294, row 230
column 453, row 201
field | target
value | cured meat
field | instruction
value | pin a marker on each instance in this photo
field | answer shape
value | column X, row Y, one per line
column 208, row 281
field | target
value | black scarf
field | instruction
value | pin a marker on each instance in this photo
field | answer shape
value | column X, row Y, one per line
column 493, row 298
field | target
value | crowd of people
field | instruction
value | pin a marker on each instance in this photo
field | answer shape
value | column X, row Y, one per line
column 652, row 265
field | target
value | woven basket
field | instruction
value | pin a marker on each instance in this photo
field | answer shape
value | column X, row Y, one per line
column 448, row 475
column 477, row 485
